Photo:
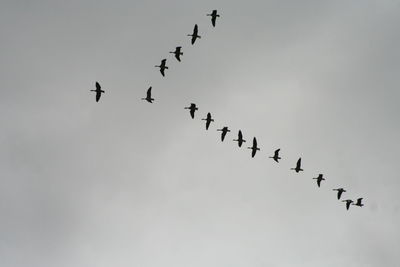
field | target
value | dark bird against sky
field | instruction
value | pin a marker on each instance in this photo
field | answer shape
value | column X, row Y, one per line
column 98, row 91
column 178, row 53
column 148, row 97
column 192, row 108
column 340, row 192
column 162, row 67
column 298, row 166
column 214, row 16
column 319, row 179
column 276, row 155
column 240, row 139
column 208, row 120
column 254, row 148
column 195, row 34
column 224, row 131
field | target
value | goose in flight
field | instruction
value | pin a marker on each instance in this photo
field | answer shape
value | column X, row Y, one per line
column 195, row 34
column 208, row 120
column 192, row 109
column 348, row 202
column 340, row 192
column 148, row 97
column 319, row 179
column 358, row 203
column 254, row 148
column 298, row 166
column 276, row 155
column 214, row 16
column 178, row 53
column 224, row 131
column 163, row 66
column 98, row 91
column 240, row 139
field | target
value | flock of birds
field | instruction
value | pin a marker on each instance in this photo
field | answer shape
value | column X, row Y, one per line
column 224, row 130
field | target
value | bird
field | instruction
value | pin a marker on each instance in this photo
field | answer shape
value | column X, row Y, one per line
column 340, row 192
column 192, row 109
column 148, row 97
column 240, row 139
column 319, row 179
column 254, row 148
column 358, row 202
column 163, row 66
column 224, row 131
column 214, row 16
column 195, row 34
column 178, row 53
column 98, row 91
column 208, row 120
column 298, row 166
column 276, row 155
column 348, row 202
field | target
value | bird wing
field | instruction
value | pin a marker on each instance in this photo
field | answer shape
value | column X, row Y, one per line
column 163, row 62
column 149, row 92
column 195, row 30
column 98, row 95
column 192, row 110
column 178, row 56
column 298, row 165
column 98, row 87
column 319, row 182
column 162, row 71
column 254, row 142
column 213, row 19
column 339, row 194
column 277, row 152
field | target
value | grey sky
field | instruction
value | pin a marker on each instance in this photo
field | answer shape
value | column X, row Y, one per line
column 125, row 183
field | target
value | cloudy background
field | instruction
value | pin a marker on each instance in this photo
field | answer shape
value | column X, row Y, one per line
column 125, row 183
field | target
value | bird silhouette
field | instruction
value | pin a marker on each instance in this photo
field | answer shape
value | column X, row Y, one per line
column 148, row 97
column 195, row 34
column 192, row 109
column 340, row 192
column 208, row 120
column 162, row 66
column 224, row 131
column 98, row 91
column 298, row 166
column 214, row 16
column 178, row 53
column 348, row 202
column 254, row 148
column 240, row 139
column 358, row 203
column 319, row 179
column 276, row 155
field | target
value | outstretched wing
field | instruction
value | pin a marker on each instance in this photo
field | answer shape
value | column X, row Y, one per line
column 319, row 182
column 98, row 95
column 298, row 165
column 162, row 71
column 277, row 152
column 98, row 87
column 339, row 194
column 192, row 110
column 149, row 92
column 254, row 142
column 163, row 62
column 195, row 30
column 213, row 19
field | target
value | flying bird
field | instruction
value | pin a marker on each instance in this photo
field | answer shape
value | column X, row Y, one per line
column 358, row 203
column 214, row 16
column 192, row 109
column 340, row 192
column 148, row 97
column 195, row 34
column 163, row 66
column 348, row 202
column 319, row 179
column 224, row 131
column 208, row 120
column 240, row 139
column 98, row 91
column 298, row 166
column 178, row 53
column 276, row 155
column 254, row 148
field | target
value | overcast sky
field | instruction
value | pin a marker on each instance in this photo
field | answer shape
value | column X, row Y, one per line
column 126, row 183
